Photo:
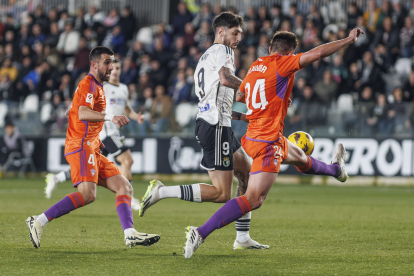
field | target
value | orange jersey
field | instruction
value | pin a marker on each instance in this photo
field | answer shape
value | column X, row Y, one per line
column 83, row 134
column 267, row 87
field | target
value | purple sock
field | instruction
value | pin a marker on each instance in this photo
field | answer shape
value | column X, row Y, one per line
column 231, row 211
column 315, row 166
column 67, row 204
column 123, row 207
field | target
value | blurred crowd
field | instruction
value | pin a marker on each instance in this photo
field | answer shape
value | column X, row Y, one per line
column 365, row 89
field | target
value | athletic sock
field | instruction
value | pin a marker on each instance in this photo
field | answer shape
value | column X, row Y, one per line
column 243, row 226
column 123, row 208
column 169, row 192
column 42, row 219
column 191, row 192
column 63, row 176
column 232, row 210
column 67, row 204
column 184, row 192
column 129, row 231
column 315, row 166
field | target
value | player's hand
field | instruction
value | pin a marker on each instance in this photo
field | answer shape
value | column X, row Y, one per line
column 355, row 33
column 140, row 118
column 120, row 120
column 289, row 102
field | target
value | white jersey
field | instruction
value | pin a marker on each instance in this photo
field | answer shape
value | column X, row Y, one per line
column 116, row 100
column 215, row 100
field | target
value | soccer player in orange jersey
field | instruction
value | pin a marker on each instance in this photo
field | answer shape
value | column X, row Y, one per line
column 266, row 90
column 88, row 167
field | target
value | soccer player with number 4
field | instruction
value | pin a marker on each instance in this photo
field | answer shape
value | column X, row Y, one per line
column 266, row 91
column 89, row 167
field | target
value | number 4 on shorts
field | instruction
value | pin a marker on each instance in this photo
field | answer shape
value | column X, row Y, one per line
column 91, row 159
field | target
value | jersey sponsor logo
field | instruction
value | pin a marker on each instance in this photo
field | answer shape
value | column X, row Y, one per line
column 204, row 108
column 117, row 101
column 89, row 98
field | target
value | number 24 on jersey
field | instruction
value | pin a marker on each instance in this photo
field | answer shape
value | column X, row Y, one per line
column 259, row 87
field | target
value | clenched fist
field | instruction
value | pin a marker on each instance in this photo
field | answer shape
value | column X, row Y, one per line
column 120, row 120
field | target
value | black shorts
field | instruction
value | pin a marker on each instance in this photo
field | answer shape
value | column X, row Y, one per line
column 114, row 144
column 218, row 143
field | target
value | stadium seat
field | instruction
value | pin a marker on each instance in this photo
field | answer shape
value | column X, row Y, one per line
column 145, row 35
column 403, row 66
column 184, row 112
column 31, row 104
column 45, row 112
column 345, row 103
column 3, row 113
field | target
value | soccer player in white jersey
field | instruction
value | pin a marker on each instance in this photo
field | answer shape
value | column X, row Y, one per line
column 223, row 155
column 116, row 94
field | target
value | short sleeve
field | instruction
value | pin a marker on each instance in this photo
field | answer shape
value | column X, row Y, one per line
column 87, row 94
column 224, row 57
column 287, row 65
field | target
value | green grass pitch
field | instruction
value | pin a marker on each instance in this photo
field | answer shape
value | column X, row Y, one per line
column 311, row 230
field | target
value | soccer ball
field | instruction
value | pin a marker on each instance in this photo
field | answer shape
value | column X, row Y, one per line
column 303, row 140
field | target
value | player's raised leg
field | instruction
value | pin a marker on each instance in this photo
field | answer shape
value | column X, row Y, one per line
column 309, row 165
column 52, row 180
column 126, row 161
column 218, row 148
column 123, row 190
column 242, row 167
column 257, row 190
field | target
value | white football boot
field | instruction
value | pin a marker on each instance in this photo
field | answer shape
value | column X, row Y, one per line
column 249, row 244
column 51, row 184
column 194, row 240
column 141, row 239
column 151, row 196
column 135, row 204
column 36, row 230
column 339, row 158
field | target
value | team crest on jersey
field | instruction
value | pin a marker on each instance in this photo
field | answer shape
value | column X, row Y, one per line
column 112, row 101
column 89, row 98
column 93, row 172
column 226, row 161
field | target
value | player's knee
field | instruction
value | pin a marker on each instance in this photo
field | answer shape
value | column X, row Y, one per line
column 221, row 196
column 126, row 189
column 88, row 197
column 128, row 161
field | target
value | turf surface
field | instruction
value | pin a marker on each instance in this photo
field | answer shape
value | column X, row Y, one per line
column 311, row 230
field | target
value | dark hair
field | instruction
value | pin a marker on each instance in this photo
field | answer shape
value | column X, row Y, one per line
column 96, row 53
column 283, row 42
column 227, row 19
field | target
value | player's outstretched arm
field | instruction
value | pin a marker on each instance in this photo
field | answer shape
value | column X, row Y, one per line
column 228, row 79
column 87, row 114
column 130, row 113
column 235, row 115
column 328, row 49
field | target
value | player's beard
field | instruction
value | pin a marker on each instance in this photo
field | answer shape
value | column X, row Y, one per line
column 228, row 43
column 102, row 76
